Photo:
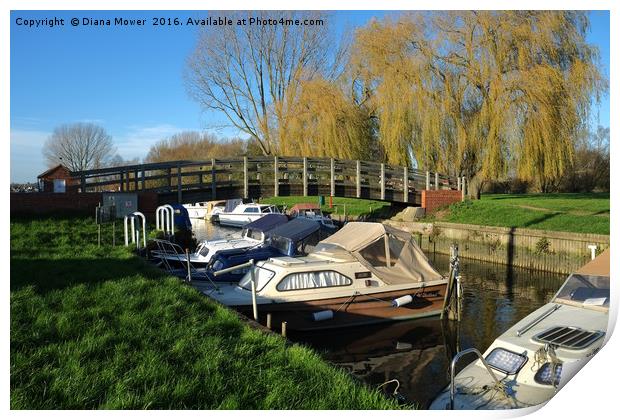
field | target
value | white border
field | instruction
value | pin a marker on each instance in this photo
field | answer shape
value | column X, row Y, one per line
column 590, row 395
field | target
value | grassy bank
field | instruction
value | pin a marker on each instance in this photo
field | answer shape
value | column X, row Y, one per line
column 352, row 207
column 98, row 328
column 582, row 213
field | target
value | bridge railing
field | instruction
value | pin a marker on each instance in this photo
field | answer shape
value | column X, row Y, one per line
column 269, row 176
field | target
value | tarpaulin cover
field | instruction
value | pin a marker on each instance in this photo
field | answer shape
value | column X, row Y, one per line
column 296, row 229
column 267, row 222
column 391, row 254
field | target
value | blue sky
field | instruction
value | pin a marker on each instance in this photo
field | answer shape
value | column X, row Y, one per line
column 130, row 81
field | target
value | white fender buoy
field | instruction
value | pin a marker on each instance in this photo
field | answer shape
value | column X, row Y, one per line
column 323, row 315
column 402, row 301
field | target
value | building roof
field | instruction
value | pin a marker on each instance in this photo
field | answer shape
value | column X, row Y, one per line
column 52, row 170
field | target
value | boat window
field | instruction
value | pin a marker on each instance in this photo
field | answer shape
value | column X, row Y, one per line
column 506, row 361
column 375, row 253
column 203, row 250
column 585, row 291
column 396, row 247
column 281, row 244
column 251, row 210
column 253, row 234
column 262, row 276
column 266, row 209
column 312, row 280
column 547, row 376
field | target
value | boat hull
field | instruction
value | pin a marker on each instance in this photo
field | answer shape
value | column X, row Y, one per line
column 349, row 311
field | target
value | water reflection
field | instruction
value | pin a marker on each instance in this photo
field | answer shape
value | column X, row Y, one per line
column 417, row 353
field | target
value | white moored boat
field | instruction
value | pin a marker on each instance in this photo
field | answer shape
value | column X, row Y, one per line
column 246, row 213
column 253, row 234
column 363, row 274
column 529, row 363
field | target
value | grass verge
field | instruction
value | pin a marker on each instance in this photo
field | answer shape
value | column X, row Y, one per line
column 98, row 328
column 352, row 207
column 580, row 213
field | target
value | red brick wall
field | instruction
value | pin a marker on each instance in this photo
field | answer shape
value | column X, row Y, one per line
column 82, row 203
column 434, row 199
column 45, row 203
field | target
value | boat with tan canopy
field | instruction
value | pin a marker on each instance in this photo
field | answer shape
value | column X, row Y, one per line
column 365, row 273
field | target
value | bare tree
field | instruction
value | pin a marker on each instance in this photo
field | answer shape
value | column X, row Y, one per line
column 79, row 146
column 252, row 73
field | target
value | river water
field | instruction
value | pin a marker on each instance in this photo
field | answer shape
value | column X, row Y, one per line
column 418, row 353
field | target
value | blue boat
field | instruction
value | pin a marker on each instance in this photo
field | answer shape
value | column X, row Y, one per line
column 297, row 237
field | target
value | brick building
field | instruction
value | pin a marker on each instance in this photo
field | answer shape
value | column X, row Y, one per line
column 57, row 179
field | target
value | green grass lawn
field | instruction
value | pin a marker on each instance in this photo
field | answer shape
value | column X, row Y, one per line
column 354, row 207
column 582, row 213
column 99, row 328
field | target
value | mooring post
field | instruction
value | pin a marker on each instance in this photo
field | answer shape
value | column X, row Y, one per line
column 189, row 271
column 436, row 180
column 358, row 180
column 332, row 172
column 383, row 181
column 305, row 175
column 179, row 185
column 463, row 189
column 428, row 180
column 245, row 177
column 405, row 185
column 253, row 281
column 269, row 320
column 213, row 181
column 458, row 183
column 284, row 329
column 276, row 177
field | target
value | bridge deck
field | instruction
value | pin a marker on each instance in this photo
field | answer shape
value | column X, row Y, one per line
column 193, row 181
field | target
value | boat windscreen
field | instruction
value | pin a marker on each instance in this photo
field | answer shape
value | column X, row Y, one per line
column 262, row 276
column 585, row 291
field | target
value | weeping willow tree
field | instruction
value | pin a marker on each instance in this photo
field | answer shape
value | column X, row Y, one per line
column 481, row 93
column 325, row 122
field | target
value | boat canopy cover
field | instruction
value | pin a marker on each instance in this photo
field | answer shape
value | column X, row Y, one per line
column 267, row 222
column 232, row 204
column 390, row 253
column 304, row 206
column 295, row 230
column 597, row 267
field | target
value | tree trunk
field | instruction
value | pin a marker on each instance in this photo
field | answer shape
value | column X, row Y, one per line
column 474, row 187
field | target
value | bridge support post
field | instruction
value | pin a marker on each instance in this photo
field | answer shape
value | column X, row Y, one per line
column 305, row 175
column 121, row 181
column 383, row 181
column 127, row 177
column 82, row 183
column 169, row 178
column 179, row 185
column 276, row 177
column 332, row 173
column 245, row 177
column 213, row 180
column 143, row 178
column 358, row 179
column 428, row 180
column 135, row 180
column 405, row 185
column 436, row 181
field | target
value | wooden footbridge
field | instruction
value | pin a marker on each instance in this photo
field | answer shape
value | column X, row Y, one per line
column 255, row 177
